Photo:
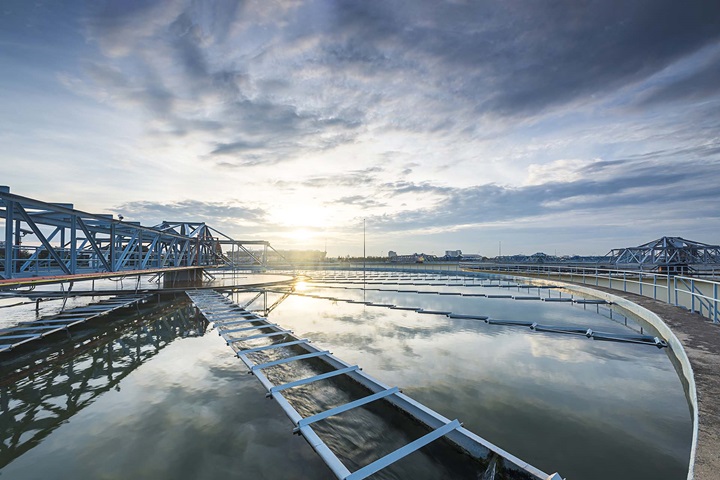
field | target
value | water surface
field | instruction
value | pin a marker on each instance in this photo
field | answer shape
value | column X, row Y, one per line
column 167, row 398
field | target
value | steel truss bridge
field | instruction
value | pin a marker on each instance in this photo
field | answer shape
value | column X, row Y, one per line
column 667, row 253
column 44, row 239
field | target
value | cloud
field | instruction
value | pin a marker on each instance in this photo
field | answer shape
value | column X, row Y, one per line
column 515, row 56
column 590, row 186
column 180, row 62
column 353, row 178
column 359, row 201
column 213, row 213
column 566, row 170
column 273, row 82
column 434, row 116
column 405, row 187
column 695, row 85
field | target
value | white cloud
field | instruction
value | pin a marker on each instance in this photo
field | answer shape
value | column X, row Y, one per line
column 563, row 171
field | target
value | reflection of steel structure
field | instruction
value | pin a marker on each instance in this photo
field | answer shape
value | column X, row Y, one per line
column 667, row 252
column 266, row 308
column 33, row 407
column 35, row 331
column 55, row 239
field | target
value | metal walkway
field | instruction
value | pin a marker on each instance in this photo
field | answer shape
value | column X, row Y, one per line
column 231, row 319
column 26, row 332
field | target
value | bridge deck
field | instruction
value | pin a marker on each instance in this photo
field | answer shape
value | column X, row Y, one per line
column 7, row 283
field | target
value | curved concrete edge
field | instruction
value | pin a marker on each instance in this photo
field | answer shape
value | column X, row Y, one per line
column 663, row 330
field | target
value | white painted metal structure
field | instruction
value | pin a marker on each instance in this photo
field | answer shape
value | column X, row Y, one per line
column 231, row 318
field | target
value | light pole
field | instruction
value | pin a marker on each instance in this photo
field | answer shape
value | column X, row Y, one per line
column 364, row 257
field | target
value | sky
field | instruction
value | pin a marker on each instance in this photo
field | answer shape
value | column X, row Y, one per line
column 562, row 126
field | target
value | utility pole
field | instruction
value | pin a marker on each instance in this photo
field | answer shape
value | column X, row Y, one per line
column 364, row 257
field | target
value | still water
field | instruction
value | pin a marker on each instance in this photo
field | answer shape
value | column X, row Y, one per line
column 167, row 398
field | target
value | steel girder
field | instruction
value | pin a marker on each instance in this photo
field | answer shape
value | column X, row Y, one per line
column 212, row 243
column 667, row 251
column 44, row 239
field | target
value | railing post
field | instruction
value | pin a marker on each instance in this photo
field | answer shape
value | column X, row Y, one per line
column 624, row 282
column 676, row 290
column 669, row 296
column 655, row 286
column 715, row 299
column 641, row 282
column 692, row 296
column 9, row 239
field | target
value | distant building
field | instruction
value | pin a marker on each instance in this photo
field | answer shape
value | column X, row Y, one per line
column 453, row 254
column 414, row 258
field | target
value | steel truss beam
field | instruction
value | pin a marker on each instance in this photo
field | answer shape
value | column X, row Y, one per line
column 46, row 239
column 667, row 251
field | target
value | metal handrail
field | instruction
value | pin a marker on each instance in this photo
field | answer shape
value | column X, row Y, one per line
column 679, row 290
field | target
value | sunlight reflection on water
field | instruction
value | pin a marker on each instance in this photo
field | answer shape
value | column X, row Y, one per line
column 174, row 405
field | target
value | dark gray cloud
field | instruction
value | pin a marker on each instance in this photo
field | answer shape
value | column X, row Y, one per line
column 353, row 178
column 191, row 211
column 236, row 147
column 319, row 71
column 403, row 187
column 164, row 56
column 517, row 56
column 692, row 87
column 359, row 201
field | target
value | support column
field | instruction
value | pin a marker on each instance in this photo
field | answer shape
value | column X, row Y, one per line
column 9, row 237
column 73, row 245
column 183, row 278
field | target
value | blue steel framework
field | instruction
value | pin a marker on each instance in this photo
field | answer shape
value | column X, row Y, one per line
column 46, row 239
column 667, row 252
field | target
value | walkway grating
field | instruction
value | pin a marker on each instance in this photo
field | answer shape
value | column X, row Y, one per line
column 210, row 303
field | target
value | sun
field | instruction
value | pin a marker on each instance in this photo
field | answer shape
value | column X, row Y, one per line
column 302, row 217
column 302, row 235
